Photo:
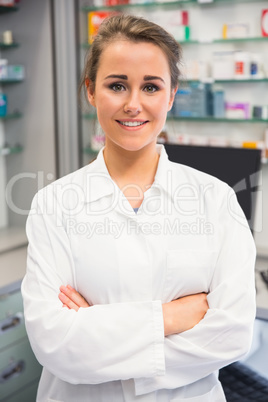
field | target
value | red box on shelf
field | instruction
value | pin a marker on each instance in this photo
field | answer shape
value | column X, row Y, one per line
column 115, row 2
column 264, row 22
column 184, row 18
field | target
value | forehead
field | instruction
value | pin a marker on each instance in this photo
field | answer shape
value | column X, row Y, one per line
column 144, row 57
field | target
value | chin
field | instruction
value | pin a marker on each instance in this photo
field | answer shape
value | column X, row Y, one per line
column 133, row 146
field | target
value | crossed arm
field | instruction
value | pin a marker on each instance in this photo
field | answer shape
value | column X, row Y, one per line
column 179, row 315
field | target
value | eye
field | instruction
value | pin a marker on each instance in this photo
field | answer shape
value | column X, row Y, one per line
column 151, row 88
column 117, row 87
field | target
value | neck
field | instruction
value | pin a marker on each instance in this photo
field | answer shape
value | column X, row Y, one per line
column 129, row 168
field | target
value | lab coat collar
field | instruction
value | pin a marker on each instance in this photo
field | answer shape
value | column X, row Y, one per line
column 100, row 184
column 163, row 177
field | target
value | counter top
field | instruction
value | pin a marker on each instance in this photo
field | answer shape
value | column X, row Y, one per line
column 12, row 266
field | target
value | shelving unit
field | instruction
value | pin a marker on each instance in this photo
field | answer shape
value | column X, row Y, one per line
column 10, row 81
column 199, row 44
column 241, row 40
column 5, row 46
column 153, row 4
column 148, row 5
column 16, row 115
column 10, row 150
column 5, row 149
column 30, row 121
column 7, row 9
column 238, row 81
column 217, row 120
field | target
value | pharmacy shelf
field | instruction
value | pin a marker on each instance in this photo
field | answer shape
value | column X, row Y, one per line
column 180, row 4
column 186, row 42
column 11, row 116
column 233, row 1
column 204, row 119
column 143, row 5
column 10, row 150
column 11, row 45
column 224, row 41
column 250, row 80
column 10, row 81
column 6, row 9
column 90, row 151
column 89, row 116
column 249, row 39
column 217, row 120
column 210, row 42
column 236, row 81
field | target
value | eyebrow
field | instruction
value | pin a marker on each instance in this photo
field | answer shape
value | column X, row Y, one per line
column 153, row 77
column 125, row 77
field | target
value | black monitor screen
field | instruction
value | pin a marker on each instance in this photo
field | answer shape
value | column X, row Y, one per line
column 236, row 166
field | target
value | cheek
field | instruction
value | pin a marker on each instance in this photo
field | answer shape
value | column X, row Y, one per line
column 159, row 106
column 108, row 104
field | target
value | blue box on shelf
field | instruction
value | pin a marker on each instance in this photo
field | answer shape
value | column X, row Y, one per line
column 3, row 105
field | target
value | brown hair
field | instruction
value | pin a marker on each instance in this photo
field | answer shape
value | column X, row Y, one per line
column 136, row 29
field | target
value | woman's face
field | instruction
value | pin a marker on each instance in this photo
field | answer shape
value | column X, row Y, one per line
column 132, row 94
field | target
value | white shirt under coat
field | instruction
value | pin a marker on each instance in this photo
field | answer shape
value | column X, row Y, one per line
column 189, row 236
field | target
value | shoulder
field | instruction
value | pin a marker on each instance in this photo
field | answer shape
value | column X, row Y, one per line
column 196, row 187
column 183, row 175
column 72, row 186
column 79, row 176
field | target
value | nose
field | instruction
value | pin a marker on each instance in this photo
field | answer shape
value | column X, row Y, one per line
column 133, row 103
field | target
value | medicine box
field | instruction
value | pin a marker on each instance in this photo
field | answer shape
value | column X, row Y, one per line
column 223, row 65
column 218, row 103
column 237, row 30
column 95, row 19
column 3, row 105
column 115, row 2
column 195, row 100
column 237, row 110
column 15, row 72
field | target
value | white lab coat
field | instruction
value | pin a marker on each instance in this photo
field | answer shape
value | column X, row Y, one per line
column 189, row 236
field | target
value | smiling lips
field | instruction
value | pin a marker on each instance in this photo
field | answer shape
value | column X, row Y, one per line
column 132, row 123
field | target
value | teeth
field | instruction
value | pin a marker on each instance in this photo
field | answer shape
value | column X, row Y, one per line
column 131, row 123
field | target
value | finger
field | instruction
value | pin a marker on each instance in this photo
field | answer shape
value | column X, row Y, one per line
column 74, row 296
column 68, row 302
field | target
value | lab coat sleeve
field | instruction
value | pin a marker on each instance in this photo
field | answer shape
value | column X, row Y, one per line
column 224, row 335
column 96, row 344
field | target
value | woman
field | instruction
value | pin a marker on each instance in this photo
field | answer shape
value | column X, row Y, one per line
column 156, row 275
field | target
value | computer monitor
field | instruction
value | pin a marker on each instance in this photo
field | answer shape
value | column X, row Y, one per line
column 238, row 167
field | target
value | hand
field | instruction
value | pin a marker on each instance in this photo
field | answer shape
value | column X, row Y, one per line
column 71, row 298
column 184, row 313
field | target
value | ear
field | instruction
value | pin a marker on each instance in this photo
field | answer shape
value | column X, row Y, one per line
column 90, row 92
column 172, row 96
